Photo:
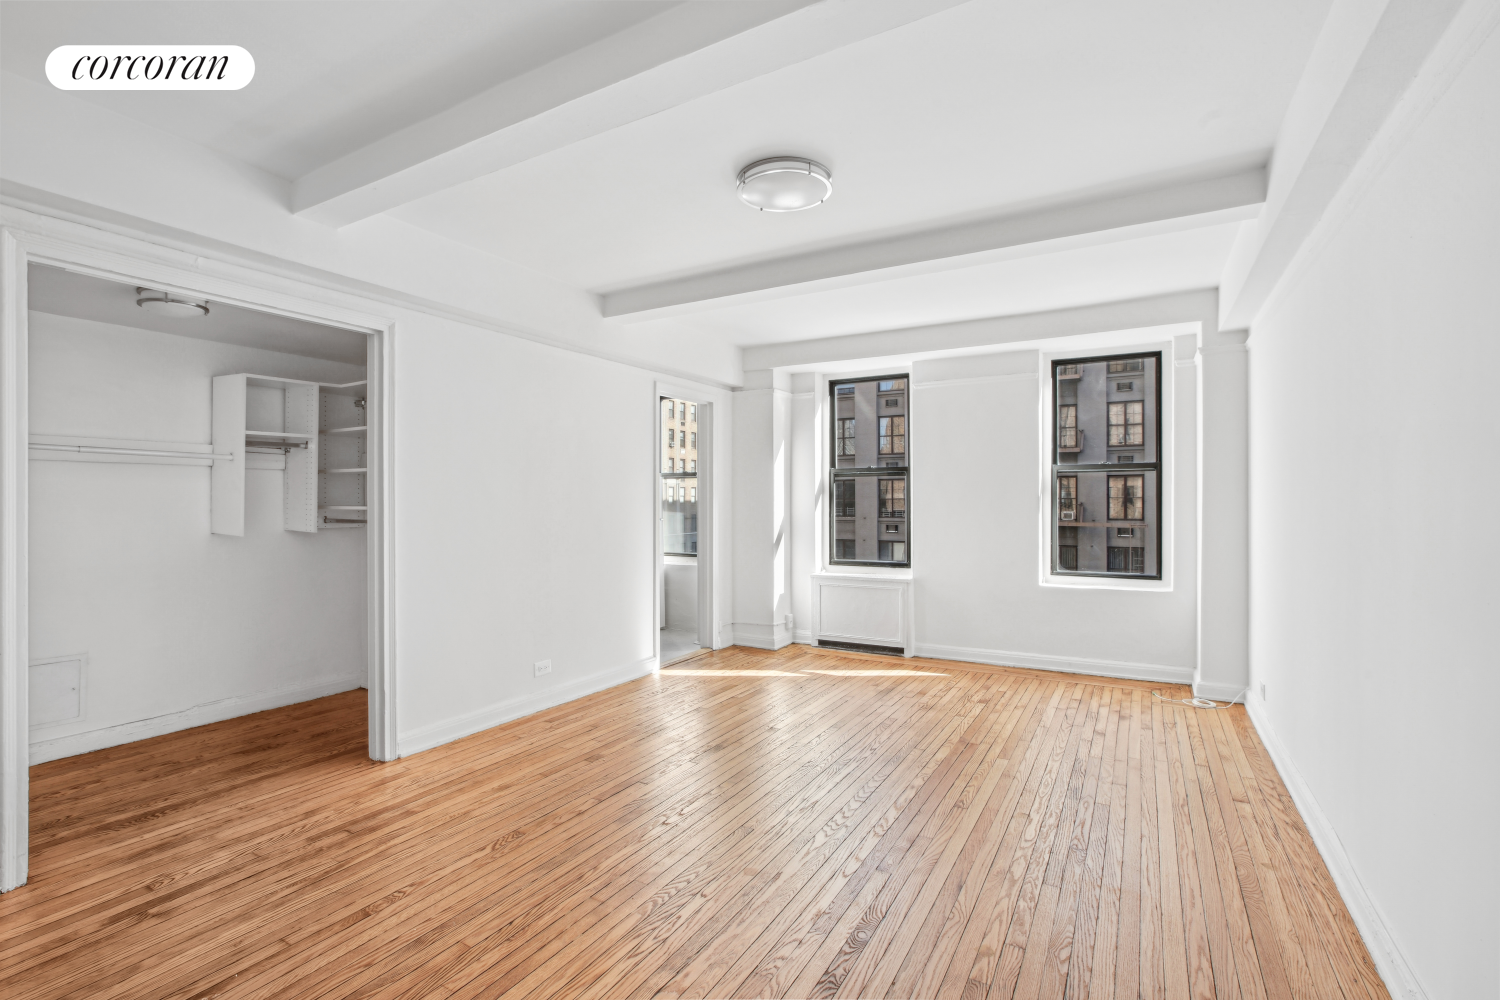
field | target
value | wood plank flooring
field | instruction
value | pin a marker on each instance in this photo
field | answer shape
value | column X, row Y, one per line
column 750, row 824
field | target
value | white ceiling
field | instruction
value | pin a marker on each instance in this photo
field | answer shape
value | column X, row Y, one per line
column 330, row 75
column 932, row 114
column 68, row 293
column 970, row 112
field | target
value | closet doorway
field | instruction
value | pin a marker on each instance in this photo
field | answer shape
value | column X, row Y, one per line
column 194, row 481
column 682, row 531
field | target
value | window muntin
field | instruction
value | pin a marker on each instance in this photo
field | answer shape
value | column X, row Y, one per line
column 869, row 511
column 1106, row 521
column 679, row 505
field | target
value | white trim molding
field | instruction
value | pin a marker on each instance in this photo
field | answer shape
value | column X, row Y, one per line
column 1120, row 669
column 1397, row 974
column 438, row 733
column 759, row 636
column 58, row 747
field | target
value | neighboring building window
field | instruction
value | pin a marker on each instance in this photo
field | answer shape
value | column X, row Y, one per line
column 1093, row 437
column 893, row 435
column 671, row 412
column 846, row 438
column 843, row 498
column 694, row 416
column 1127, row 559
column 1127, row 424
column 868, row 477
column 693, row 465
column 695, row 440
column 1067, row 427
column 1127, row 498
column 671, row 438
column 893, row 498
column 693, row 494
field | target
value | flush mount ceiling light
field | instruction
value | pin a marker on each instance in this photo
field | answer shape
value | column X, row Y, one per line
column 784, row 184
column 167, row 304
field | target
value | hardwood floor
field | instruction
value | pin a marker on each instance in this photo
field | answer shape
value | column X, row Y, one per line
column 800, row 824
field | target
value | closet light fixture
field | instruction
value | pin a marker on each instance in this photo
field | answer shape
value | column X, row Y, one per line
column 167, row 304
column 784, row 184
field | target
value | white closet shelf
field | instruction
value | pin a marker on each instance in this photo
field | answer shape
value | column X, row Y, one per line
column 279, row 434
column 332, row 471
column 343, row 507
column 345, row 430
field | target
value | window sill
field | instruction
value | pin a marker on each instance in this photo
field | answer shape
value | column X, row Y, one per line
column 1105, row 583
column 869, row 572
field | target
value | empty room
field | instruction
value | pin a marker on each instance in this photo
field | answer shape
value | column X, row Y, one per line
column 563, row 499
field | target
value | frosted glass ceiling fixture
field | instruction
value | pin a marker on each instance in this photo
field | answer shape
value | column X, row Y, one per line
column 167, row 304
column 784, row 184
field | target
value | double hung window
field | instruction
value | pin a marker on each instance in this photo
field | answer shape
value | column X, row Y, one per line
column 869, row 516
column 1106, row 520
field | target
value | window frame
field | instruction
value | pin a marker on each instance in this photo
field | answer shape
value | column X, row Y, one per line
column 902, row 471
column 1054, row 469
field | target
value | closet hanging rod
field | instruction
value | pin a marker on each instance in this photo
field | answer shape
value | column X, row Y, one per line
column 86, row 449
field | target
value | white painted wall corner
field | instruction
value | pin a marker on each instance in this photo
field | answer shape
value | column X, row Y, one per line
column 1371, row 923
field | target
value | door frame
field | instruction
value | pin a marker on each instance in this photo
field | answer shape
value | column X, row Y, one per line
column 713, row 495
column 26, row 238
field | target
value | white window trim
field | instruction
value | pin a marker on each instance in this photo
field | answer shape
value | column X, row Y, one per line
column 1167, row 484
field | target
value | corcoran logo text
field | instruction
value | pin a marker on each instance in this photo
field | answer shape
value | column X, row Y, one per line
column 150, row 67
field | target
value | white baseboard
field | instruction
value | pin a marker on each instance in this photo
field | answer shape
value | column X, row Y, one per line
column 490, row 716
column 1219, row 692
column 803, row 635
column 1394, row 970
column 56, row 748
column 761, row 636
column 1064, row 664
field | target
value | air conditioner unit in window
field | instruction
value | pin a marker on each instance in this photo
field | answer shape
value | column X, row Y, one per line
column 1066, row 515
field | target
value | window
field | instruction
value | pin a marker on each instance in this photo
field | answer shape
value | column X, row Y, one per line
column 671, row 438
column 1127, row 501
column 893, row 498
column 869, row 514
column 1123, row 559
column 671, row 413
column 846, row 438
column 892, row 435
column 693, row 465
column 1106, row 519
column 1067, row 426
column 695, row 440
column 694, row 417
column 1127, row 424
column 692, row 494
column 843, row 498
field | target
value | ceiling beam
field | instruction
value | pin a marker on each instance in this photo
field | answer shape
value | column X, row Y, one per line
column 1199, row 306
column 1374, row 60
column 687, row 52
column 1181, row 204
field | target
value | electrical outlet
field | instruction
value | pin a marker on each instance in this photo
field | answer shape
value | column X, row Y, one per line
column 788, row 621
column 1262, row 691
column 541, row 667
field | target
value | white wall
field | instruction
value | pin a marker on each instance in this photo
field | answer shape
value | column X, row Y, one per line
column 976, row 432
column 1374, row 554
column 180, row 626
column 526, row 506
